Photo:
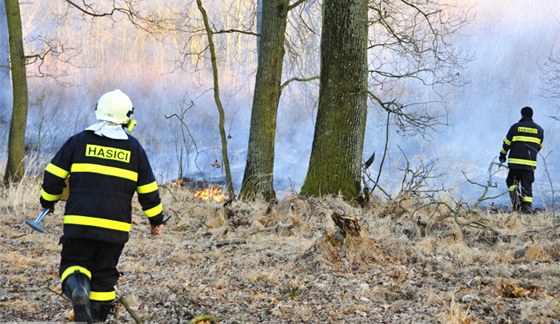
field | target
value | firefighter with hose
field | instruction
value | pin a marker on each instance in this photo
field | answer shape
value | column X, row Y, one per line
column 523, row 141
column 106, row 166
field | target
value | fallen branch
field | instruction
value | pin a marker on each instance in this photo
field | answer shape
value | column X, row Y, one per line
column 229, row 242
column 18, row 236
column 121, row 299
column 57, row 293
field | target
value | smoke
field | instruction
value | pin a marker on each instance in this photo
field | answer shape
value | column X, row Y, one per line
column 5, row 85
column 509, row 42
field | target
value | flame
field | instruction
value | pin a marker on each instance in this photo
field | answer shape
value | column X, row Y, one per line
column 177, row 183
column 208, row 194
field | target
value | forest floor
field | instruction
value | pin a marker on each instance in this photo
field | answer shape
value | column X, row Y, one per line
column 289, row 263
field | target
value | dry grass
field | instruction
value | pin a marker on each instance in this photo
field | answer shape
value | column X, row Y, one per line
column 288, row 262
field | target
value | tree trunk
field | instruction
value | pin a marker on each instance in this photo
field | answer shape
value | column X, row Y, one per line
column 219, row 106
column 16, row 140
column 336, row 154
column 258, row 177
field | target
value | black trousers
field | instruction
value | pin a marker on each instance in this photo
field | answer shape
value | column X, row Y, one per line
column 524, row 179
column 99, row 258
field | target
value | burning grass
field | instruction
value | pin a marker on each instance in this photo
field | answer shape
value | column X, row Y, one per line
column 288, row 262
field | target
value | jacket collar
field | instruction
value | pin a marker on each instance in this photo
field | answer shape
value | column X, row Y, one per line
column 107, row 129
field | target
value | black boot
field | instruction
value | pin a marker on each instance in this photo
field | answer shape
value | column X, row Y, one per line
column 100, row 310
column 527, row 208
column 77, row 288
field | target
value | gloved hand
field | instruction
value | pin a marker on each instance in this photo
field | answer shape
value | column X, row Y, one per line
column 47, row 204
column 502, row 158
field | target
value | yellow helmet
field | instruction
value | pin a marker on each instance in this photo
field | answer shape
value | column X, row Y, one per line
column 114, row 106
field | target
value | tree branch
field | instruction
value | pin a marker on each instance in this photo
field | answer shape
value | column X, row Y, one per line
column 295, row 4
column 285, row 84
column 229, row 31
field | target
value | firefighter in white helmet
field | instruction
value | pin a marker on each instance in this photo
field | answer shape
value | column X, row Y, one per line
column 113, row 110
column 106, row 166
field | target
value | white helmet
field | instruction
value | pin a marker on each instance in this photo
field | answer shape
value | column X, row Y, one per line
column 114, row 106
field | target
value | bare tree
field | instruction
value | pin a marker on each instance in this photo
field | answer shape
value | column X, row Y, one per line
column 16, row 142
column 258, row 177
column 157, row 25
column 275, row 42
column 410, row 47
column 551, row 71
column 336, row 155
column 550, row 78
column 40, row 50
column 219, row 106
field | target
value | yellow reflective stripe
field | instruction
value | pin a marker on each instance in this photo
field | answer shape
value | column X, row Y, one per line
column 527, row 199
column 154, row 211
column 57, row 171
column 97, row 222
column 48, row 197
column 150, row 187
column 513, row 187
column 105, row 170
column 102, row 295
column 522, row 162
column 72, row 269
column 503, row 151
column 507, row 142
column 527, row 139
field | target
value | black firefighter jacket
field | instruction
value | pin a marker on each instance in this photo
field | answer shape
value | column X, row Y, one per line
column 104, row 175
column 523, row 141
